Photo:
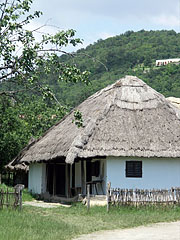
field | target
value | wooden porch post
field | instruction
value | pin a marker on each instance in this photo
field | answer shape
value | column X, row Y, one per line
column 68, row 181
column 83, row 181
column 54, row 180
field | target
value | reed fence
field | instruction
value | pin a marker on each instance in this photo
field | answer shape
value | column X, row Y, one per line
column 11, row 199
column 137, row 197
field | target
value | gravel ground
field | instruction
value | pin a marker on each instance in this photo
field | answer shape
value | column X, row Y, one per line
column 159, row 231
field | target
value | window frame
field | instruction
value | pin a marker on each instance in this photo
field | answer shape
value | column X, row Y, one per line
column 133, row 169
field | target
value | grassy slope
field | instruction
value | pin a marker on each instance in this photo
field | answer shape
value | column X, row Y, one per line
column 65, row 223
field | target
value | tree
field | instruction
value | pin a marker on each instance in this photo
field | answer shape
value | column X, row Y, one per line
column 21, row 121
column 13, row 134
column 23, row 59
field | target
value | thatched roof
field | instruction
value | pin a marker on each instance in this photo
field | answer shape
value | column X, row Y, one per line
column 17, row 167
column 175, row 101
column 127, row 118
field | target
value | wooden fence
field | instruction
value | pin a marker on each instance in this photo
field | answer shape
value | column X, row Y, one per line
column 137, row 197
column 11, row 199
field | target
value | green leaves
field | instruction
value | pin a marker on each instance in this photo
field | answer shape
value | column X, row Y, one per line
column 23, row 62
column 13, row 134
column 63, row 38
column 23, row 59
column 21, row 121
column 78, row 120
column 73, row 74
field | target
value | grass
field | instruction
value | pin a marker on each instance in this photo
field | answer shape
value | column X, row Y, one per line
column 60, row 223
column 26, row 195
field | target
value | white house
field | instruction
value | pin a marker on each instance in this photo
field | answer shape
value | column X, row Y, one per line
column 167, row 61
column 130, row 137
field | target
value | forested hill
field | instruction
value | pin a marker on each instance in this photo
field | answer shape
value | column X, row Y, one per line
column 132, row 53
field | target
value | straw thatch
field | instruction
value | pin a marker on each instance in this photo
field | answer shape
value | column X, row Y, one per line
column 175, row 101
column 17, row 167
column 127, row 118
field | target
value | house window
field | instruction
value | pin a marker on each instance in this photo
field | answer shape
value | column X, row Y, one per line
column 134, row 169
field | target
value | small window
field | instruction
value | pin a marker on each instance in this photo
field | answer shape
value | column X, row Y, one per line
column 134, row 169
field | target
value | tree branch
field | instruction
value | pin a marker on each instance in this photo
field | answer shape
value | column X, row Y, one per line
column 3, row 11
column 56, row 50
column 7, row 75
column 7, row 67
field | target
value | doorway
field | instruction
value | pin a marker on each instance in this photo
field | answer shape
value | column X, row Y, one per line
column 56, row 179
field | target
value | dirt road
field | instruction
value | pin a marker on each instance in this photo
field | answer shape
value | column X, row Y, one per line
column 159, row 231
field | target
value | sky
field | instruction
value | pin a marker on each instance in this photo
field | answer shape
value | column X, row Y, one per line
column 100, row 19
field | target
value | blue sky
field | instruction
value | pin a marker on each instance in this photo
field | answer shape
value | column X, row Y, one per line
column 95, row 19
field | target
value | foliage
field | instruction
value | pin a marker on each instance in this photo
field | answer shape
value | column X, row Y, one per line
column 132, row 53
column 13, row 134
column 39, row 115
column 78, row 120
column 20, row 121
column 26, row 196
column 23, row 59
column 24, row 62
column 164, row 79
column 67, row 223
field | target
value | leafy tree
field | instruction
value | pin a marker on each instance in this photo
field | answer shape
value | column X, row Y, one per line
column 13, row 134
column 23, row 59
column 21, row 121
column 23, row 62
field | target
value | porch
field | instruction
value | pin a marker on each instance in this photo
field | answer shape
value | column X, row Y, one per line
column 62, row 181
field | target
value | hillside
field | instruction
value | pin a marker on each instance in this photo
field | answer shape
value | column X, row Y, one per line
column 129, row 53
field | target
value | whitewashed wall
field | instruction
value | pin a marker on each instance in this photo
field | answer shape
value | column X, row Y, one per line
column 156, row 173
column 37, row 178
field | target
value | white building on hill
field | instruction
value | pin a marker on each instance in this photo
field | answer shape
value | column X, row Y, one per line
column 167, row 61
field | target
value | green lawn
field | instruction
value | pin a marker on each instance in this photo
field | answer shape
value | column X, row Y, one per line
column 35, row 223
column 66, row 223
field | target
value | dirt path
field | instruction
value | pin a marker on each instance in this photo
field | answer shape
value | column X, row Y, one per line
column 44, row 204
column 159, row 231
